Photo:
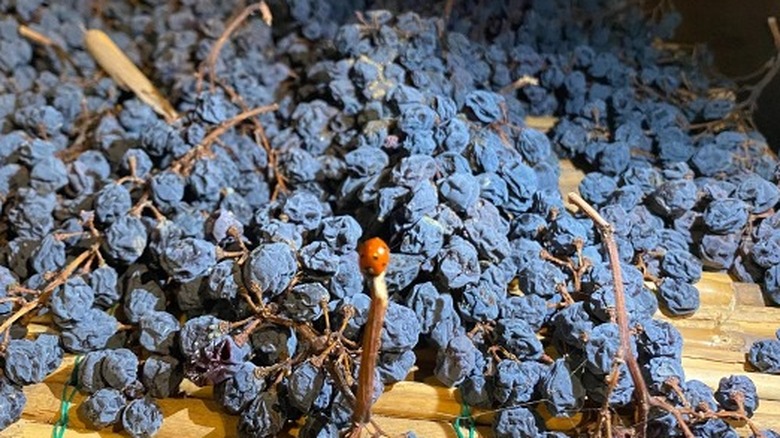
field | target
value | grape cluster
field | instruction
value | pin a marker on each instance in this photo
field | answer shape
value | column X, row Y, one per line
column 765, row 355
column 223, row 248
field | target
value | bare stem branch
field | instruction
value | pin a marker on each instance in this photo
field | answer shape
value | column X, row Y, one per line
column 183, row 164
column 210, row 62
column 757, row 89
column 57, row 281
column 641, row 394
column 660, row 403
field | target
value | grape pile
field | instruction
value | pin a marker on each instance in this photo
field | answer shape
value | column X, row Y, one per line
column 222, row 247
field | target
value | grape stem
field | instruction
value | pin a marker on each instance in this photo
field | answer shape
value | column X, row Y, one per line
column 641, row 394
column 209, row 67
column 210, row 63
column 39, row 38
column 184, row 164
column 60, row 279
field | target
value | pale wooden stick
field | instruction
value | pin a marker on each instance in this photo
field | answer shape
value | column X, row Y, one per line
column 520, row 83
column 35, row 36
column 371, row 342
column 773, row 28
column 111, row 59
column 43, row 40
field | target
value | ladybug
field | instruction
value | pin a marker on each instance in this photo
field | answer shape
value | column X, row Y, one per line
column 374, row 256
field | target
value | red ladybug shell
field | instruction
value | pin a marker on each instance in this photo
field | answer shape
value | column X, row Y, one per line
column 374, row 256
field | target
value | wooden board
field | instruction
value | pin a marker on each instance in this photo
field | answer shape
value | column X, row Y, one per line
column 731, row 317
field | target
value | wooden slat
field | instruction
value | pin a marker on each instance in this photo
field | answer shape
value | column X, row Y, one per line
column 392, row 426
column 731, row 316
column 427, row 410
column 184, row 417
column 569, row 180
column 198, row 417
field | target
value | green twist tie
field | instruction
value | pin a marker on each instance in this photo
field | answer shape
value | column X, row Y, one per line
column 69, row 391
column 465, row 414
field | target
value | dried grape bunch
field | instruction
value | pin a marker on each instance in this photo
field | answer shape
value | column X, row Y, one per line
column 206, row 221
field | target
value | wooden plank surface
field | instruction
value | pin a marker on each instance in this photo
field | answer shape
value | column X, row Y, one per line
column 731, row 317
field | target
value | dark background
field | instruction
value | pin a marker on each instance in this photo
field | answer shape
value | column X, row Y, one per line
column 737, row 32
